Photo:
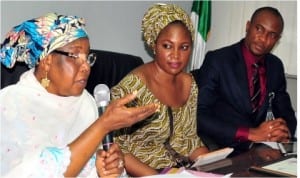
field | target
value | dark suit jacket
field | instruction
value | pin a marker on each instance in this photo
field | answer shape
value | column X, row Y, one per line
column 224, row 99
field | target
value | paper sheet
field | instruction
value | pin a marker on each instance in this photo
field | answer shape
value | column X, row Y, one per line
column 182, row 173
column 288, row 166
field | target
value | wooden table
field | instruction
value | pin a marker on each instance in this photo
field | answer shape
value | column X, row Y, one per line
column 239, row 165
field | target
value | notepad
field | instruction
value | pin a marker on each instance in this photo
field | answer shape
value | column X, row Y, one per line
column 212, row 156
column 286, row 168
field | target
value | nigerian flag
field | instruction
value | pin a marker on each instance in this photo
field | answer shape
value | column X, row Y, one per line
column 201, row 12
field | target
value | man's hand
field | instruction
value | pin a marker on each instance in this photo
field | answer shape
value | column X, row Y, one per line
column 273, row 131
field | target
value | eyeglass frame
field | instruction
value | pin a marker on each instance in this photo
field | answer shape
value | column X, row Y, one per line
column 90, row 59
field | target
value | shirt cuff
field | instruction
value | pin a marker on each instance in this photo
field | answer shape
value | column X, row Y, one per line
column 242, row 134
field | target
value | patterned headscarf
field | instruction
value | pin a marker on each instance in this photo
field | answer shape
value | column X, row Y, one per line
column 159, row 16
column 34, row 39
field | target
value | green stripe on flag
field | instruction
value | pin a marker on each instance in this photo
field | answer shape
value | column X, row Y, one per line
column 203, row 9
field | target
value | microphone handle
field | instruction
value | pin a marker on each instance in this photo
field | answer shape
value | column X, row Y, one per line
column 108, row 139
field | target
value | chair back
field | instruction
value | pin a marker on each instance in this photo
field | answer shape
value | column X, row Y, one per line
column 11, row 76
column 109, row 68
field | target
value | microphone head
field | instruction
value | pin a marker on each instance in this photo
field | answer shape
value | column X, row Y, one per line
column 102, row 95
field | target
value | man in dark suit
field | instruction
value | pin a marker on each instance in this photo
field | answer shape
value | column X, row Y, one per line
column 226, row 113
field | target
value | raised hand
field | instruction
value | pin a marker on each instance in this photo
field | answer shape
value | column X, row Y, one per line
column 117, row 115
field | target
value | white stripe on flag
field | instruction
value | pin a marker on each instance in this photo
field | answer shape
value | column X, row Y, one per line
column 199, row 45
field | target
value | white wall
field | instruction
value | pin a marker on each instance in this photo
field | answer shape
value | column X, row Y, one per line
column 112, row 25
column 116, row 25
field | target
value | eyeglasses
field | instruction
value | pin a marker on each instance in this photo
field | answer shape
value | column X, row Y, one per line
column 90, row 59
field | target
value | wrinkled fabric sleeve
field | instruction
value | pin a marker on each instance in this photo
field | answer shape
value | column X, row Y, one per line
column 121, row 136
column 54, row 161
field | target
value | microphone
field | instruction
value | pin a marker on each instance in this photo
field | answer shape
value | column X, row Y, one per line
column 102, row 97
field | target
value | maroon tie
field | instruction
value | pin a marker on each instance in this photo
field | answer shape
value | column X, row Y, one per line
column 256, row 88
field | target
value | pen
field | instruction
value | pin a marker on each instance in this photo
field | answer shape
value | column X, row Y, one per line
column 270, row 116
column 282, row 149
column 290, row 154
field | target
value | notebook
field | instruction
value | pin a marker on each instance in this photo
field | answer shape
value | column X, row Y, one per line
column 212, row 156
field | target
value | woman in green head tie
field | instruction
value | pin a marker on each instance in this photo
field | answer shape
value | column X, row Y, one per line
column 168, row 138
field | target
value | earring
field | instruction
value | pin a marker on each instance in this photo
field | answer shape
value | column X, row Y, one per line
column 45, row 81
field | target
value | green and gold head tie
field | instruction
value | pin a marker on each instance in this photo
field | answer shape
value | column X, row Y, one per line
column 159, row 16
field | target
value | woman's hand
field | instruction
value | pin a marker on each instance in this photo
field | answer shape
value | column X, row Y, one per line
column 197, row 152
column 110, row 163
column 117, row 115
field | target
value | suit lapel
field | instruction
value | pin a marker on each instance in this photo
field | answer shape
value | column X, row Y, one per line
column 242, row 92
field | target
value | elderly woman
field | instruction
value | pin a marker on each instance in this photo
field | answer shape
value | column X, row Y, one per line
column 168, row 138
column 49, row 123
